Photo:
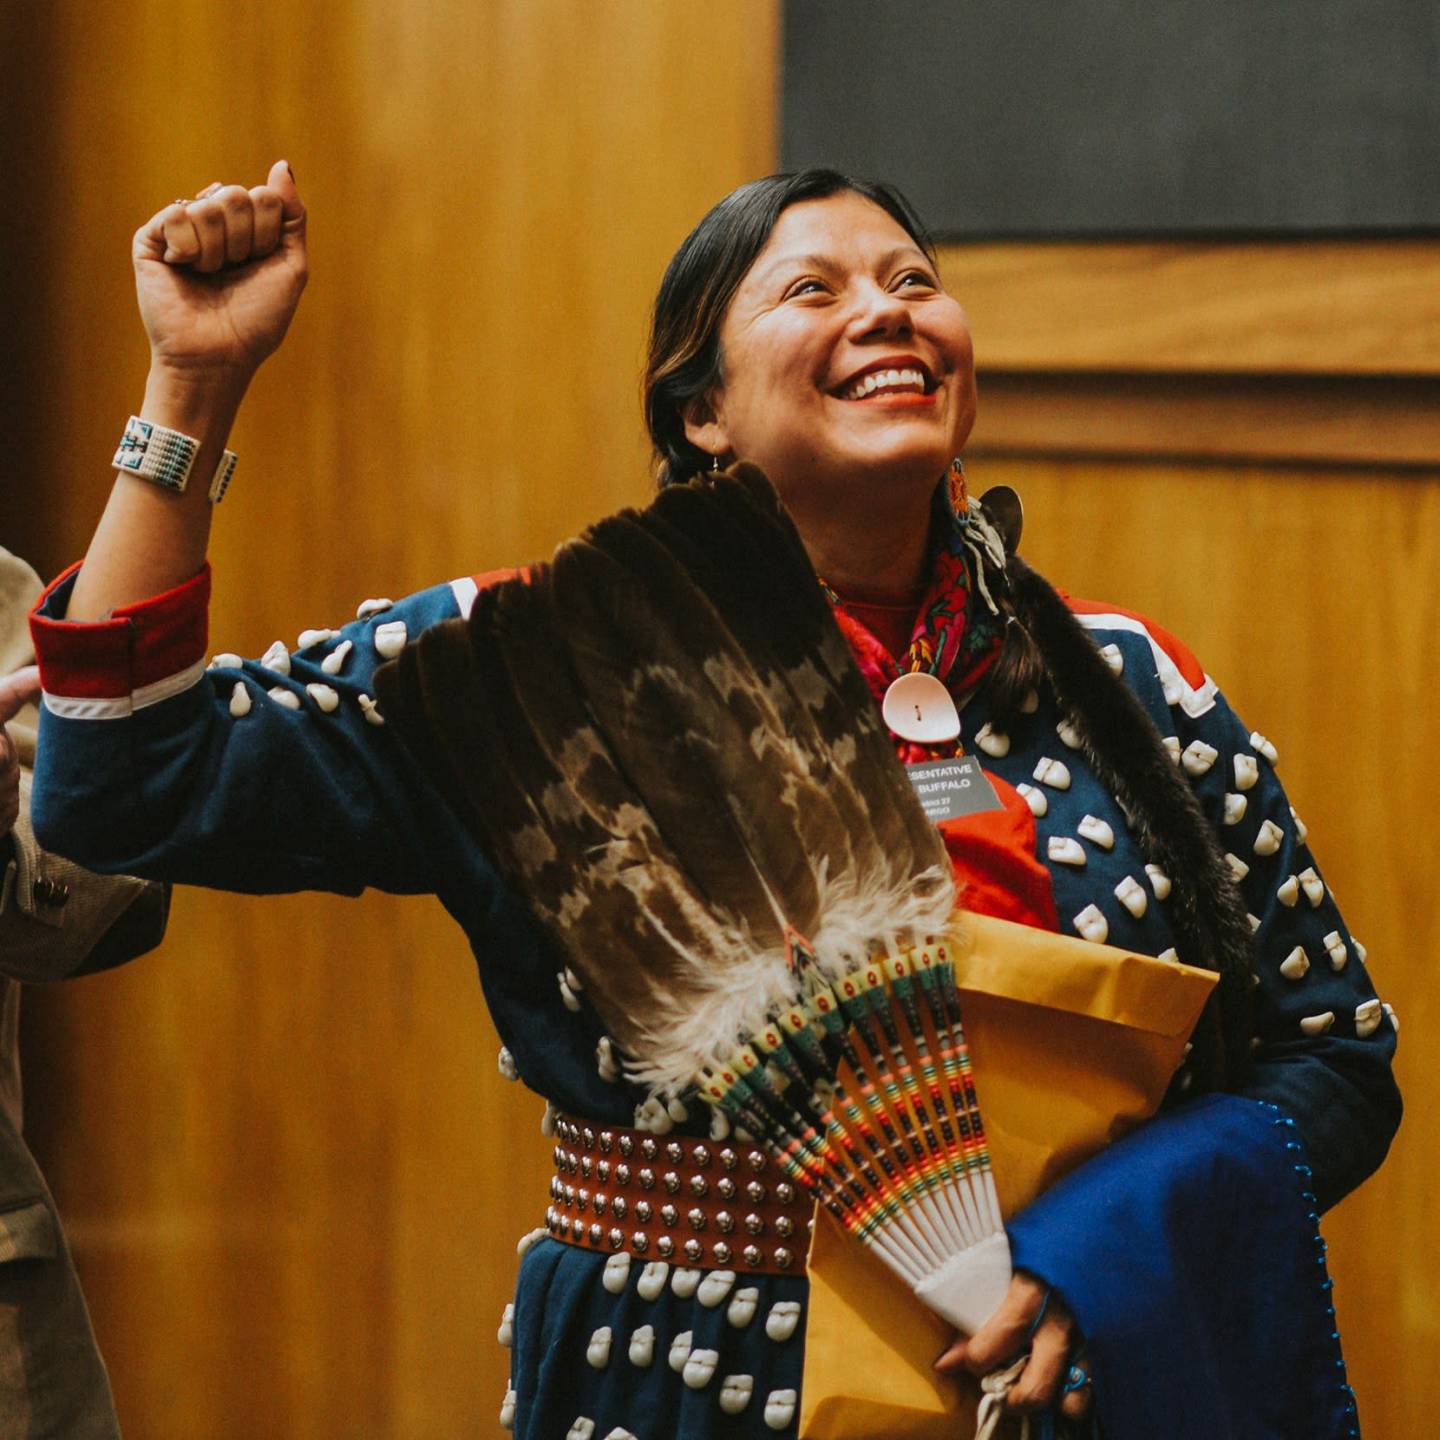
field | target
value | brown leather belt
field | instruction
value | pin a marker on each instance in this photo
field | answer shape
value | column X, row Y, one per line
column 709, row 1205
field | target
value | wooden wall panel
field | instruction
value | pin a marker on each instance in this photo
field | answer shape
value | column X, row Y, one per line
column 1310, row 595
column 293, row 1176
column 1319, row 307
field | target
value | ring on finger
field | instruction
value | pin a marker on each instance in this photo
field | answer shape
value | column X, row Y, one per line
column 1077, row 1377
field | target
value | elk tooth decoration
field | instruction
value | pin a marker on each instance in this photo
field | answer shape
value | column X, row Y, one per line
column 652, row 1279
column 784, row 1316
column 390, row 638
column 642, row 1346
column 239, row 700
column 780, row 1408
column 662, row 741
column 735, row 1393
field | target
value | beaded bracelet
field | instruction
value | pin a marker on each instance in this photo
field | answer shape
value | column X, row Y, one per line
column 165, row 457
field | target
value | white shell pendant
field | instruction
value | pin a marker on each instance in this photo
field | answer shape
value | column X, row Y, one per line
column 918, row 708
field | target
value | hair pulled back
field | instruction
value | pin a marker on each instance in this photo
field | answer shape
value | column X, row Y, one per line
column 685, row 361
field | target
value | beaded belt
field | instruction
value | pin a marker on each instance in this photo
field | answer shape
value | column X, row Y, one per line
column 710, row 1206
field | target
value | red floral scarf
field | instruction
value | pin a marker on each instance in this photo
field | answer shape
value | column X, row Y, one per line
column 954, row 638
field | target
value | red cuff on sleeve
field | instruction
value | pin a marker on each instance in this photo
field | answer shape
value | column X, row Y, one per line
column 141, row 654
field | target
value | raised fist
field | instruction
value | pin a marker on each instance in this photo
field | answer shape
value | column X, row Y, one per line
column 219, row 277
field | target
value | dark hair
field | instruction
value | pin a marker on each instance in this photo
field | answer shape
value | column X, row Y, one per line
column 684, row 360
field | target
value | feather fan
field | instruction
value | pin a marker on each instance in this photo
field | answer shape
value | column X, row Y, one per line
column 662, row 740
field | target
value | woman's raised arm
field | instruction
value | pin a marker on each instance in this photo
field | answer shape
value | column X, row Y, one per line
column 218, row 279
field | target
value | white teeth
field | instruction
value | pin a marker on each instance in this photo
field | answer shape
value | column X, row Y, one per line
column 335, row 660
column 1235, row 808
column 370, row 710
column 1270, row 838
column 1054, row 773
column 1198, row 758
column 1289, row 891
column 507, row 1410
column 1131, row 894
column 992, row 742
column 886, row 380
column 547, row 1122
column 572, row 1001
column 1172, row 955
column 1335, row 948
column 684, row 1282
column 741, row 1309
column 715, row 1287
column 1068, row 734
column 1247, row 772
column 780, row 1408
column 1317, row 1024
column 281, row 696
column 1368, row 1017
column 277, row 658
column 1260, row 743
column 652, row 1279
column 390, row 638
column 506, row 1062
column 315, row 637
column 680, row 1348
column 1393, row 1018
column 1159, row 882
column 735, row 1393
column 1097, row 832
column 1111, row 655
column 1313, row 886
column 1238, row 868
column 582, row 1429
column 1360, row 950
column 700, row 1368
column 226, row 660
column 325, row 696
column 617, row 1273
column 239, row 700
column 1301, row 829
column 605, row 1061
column 1065, row 851
column 784, row 1316
column 506, row 1333
column 1091, row 924
column 642, row 1346
column 1253, row 921
column 597, row 1352
column 367, row 608
column 1035, row 799
column 1172, row 747
column 1295, row 965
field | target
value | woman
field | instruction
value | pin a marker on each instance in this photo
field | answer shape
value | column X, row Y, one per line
column 803, row 328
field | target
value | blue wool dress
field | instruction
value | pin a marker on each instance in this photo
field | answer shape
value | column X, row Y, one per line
column 279, row 774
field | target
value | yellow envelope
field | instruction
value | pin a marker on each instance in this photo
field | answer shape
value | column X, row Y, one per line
column 1073, row 1045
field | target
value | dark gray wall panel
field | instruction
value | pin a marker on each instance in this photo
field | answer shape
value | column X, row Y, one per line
column 1052, row 117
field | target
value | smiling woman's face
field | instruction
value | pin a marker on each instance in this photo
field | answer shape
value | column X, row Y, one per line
column 844, row 361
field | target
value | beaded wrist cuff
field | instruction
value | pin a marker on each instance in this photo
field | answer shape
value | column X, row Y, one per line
column 153, row 453
column 223, row 471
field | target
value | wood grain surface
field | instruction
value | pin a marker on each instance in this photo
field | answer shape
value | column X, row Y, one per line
column 292, row 1174
column 1316, row 307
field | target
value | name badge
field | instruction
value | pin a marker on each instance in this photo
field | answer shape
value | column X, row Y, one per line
column 948, row 789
